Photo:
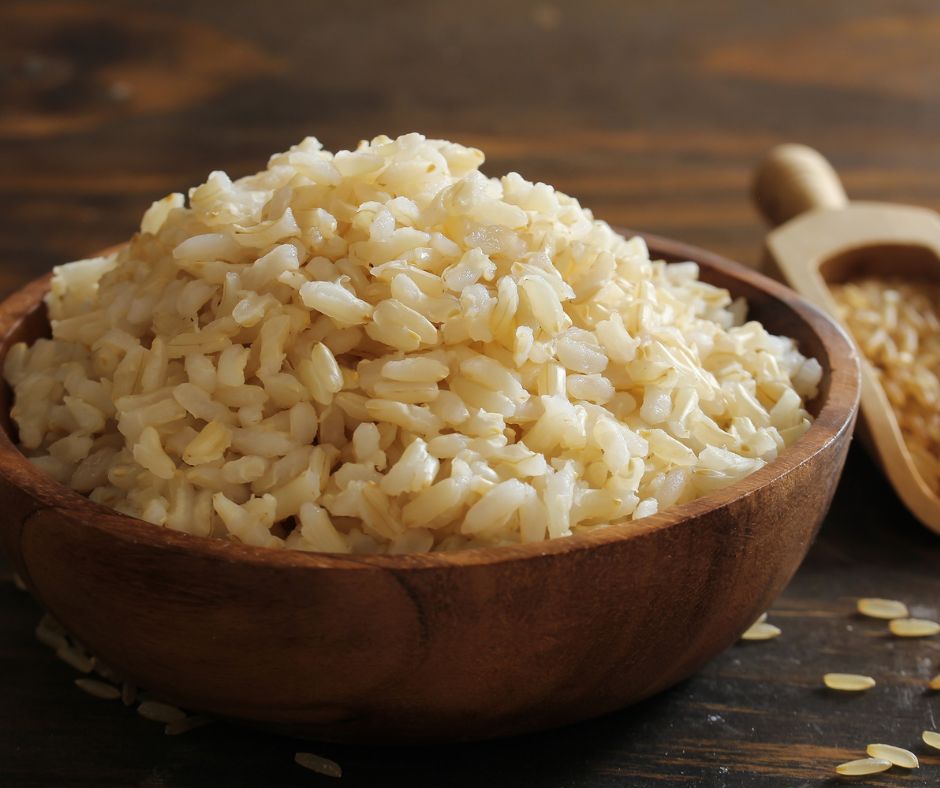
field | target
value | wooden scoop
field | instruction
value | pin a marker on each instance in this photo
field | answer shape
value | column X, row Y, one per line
column 821, row 239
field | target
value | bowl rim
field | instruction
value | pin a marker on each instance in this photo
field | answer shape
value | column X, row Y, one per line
column 836, row 415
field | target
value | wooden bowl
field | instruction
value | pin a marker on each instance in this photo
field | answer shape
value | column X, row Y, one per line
column 468, row 645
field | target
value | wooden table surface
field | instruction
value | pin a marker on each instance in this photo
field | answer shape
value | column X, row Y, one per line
column 653, row 114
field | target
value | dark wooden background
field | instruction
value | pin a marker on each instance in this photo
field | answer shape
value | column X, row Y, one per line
column 654, row 114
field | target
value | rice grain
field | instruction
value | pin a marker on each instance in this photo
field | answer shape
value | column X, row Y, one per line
column 887, row 609
column 50, row 634
column 931, row 739
column 896, row 755
column 71, row 655
column 913, row 627
column 761, row 631
column 160, row 712
column 848, row 682
column 98, row 689
column 318, row 764
column 863, row 766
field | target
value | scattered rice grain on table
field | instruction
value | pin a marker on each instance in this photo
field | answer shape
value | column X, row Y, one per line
column 896, row 755
column 318, row 764
column 887, row 609
column 160, row 712
column 913, row 627
column 177, row 721
column 863, row 766
column 50, row 634
column 98, row 689
column 761, row 630
column 383, row 350
column 76, row 658
column 848, row 682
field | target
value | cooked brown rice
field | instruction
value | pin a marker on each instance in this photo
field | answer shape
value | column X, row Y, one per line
column 383, row 350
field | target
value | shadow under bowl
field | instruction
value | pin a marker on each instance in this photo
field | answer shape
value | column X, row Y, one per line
column 454, row 646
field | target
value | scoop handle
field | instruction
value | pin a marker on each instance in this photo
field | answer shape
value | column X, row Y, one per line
column 793, row 179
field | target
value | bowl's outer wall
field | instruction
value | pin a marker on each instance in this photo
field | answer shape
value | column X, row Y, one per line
column 356, row 650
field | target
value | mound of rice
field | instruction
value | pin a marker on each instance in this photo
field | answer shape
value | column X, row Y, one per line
column 383, row 350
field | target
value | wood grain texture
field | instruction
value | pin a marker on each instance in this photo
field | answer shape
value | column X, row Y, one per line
column 653, row 115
